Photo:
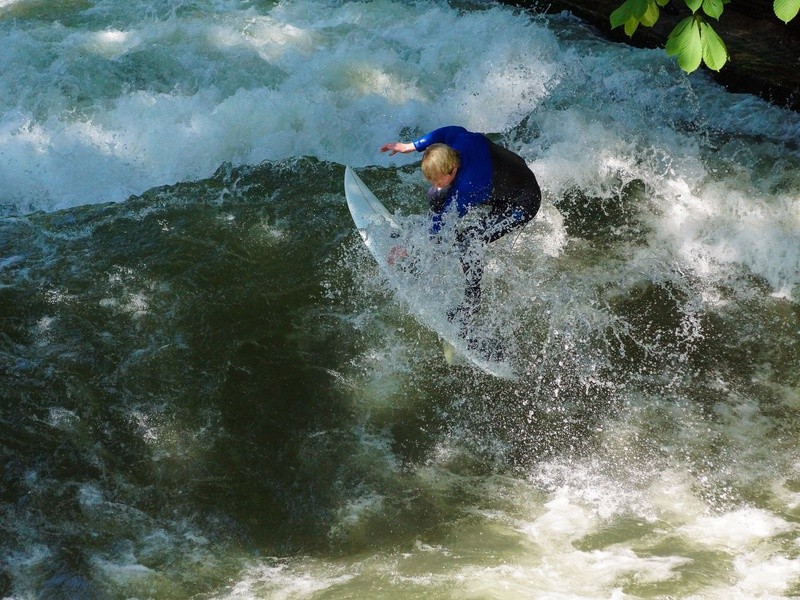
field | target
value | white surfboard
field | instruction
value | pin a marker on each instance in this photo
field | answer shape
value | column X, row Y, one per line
column 381, row 232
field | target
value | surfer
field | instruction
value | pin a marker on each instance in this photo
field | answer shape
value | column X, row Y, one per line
column 467, row 170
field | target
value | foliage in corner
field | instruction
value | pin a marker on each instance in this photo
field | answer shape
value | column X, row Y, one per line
column 786, row 10
column 693, row 41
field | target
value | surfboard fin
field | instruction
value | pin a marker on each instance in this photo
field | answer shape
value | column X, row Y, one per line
column 449, row 353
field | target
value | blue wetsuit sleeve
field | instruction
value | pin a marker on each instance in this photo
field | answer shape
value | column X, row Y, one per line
column 443, row 135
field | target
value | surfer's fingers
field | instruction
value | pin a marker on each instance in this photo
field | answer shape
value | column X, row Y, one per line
column 395, row 147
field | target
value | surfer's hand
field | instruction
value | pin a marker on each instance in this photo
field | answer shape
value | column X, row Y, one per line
column 395, row 147
column 395, row 254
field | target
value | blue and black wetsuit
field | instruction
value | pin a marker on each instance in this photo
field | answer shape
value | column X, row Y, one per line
column 489, row 175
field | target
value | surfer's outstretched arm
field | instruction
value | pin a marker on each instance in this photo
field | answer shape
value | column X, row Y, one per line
column 395, row 147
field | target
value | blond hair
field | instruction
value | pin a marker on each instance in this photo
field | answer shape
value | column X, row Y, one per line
column 438, row 160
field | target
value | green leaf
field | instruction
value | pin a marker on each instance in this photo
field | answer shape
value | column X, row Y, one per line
column 640, row 7
column 672, row 45
column 713, row 8
column 630, row 26
column 715, row 54
column 650, row 16
column 630, row 9
column 684, row 42
column 694, row 5
column 621, row 15
column 662, row 3
column 786, row 10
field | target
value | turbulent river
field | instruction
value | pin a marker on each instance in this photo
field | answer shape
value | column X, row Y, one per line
column 208, row 390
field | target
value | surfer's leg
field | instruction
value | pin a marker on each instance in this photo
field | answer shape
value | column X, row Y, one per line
column 501, row 222
column 470, row 248
column 471, row 242
column 472, row 266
